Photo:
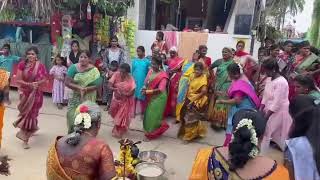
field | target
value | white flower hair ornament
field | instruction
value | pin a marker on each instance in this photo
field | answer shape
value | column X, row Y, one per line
column 83, row 117
column 253, row 139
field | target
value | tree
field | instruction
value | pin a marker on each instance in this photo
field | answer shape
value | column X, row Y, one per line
column 314, row 33
column 280, row 8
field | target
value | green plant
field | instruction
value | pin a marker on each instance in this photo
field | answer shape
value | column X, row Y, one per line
column 314, row 32
column 114, row 8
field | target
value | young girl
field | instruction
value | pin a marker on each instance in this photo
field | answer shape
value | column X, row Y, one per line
column 58, row 71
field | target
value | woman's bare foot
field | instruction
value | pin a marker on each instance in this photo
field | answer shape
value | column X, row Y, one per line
column 25, row 145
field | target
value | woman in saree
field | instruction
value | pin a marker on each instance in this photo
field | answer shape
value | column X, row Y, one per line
column 122, row 104
column 302, row 155
column 84, row 79
column 241, row 95
column 140, row 68
column 81, row 155
column 241, row 160
column 306, row 63
column 249, row 65
column 156, row 91
column 187, row 70
column 305, row 85
column 218, row 113
column 4, row 83
column 195, row 106
column 174, row 64
column 31, row 76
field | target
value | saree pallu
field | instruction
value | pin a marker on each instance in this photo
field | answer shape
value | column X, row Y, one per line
column 174, row 64
column 54, row 169
column 211, row 165
column 153, row 122
column 187, row 70
column 250, row 99
column 83, row 79
column 31, row 101
column 122, row 106
column 218, row 113
column 192, row 118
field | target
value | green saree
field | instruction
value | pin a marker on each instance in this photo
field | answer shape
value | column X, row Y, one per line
column 153, row 123
column 84, row 79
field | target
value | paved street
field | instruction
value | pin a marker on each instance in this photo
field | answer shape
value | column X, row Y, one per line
column 31, row 164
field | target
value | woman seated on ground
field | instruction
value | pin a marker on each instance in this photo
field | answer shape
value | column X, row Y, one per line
column 81, row 155
column 306, row 85
column 195, row 106
column 302, row 156
column 241, row 95
column 241, row 159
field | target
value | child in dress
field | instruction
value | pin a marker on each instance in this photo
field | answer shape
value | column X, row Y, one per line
column 58, row 71
column 113, row 67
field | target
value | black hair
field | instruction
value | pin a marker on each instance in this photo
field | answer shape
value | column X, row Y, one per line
column 199, row 65
column 271, row 64
column 95, row 114
column 7, row 46
column 202, row 47
column 306, row 81
column 274, row 46
column 287, row 43
column 315, row 50
column 305, row 113
column 161, row 35
column 114, row 64
column 304, row 44
column 64, row 61
column 125, row 67
column 86, row 52
column 241, row 42
column 114, row 38
column 75, row 42
column 158, row 60
column 1, row 96
column 34, row 49
column 269, row 39
column 234, row 69
column 241, row 146
column 141, row 48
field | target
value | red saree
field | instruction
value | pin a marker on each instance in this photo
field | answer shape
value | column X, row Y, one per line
column 122, row 104
column 174, row 64
column 31, row 100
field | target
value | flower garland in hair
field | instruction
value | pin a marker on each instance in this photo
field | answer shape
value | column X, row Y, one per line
column 83, row 117
column 253, row 139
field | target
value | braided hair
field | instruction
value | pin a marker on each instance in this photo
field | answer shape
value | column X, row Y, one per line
column 95, row 114
column 241, row 145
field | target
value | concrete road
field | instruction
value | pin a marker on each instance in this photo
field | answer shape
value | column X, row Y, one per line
column 31, row 164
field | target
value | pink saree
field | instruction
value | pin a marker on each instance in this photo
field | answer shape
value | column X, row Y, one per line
column 175, row 65
column 122, row 104
column 31, row 100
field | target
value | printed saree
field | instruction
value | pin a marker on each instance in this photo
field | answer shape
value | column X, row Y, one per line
column 88, row 78
column 192, row 125
column 93, row 160
column 122, row 105
column 211, row 165
column 187, row 71
column 174, row 65
column 153, row 122
column 218, row 113
column 31, row 99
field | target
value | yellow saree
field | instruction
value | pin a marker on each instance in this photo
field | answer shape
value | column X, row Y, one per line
column 54, row 168
column 193, row 110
